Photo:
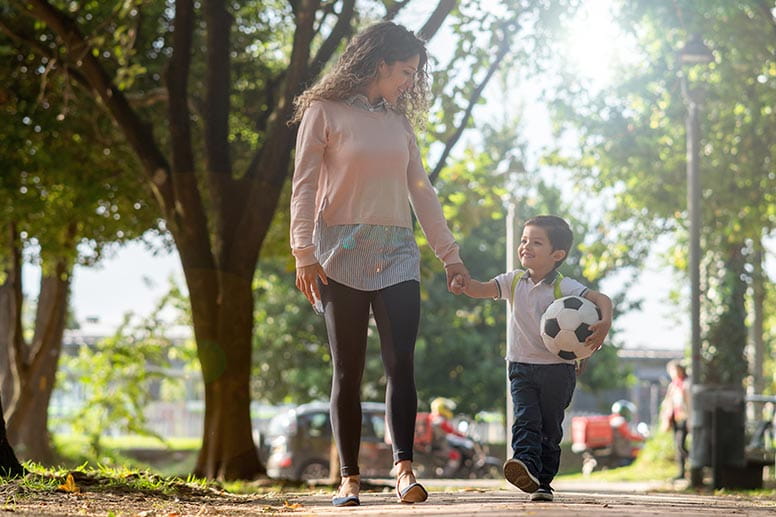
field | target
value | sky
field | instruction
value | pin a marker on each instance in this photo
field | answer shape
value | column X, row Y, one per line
column 132, row 280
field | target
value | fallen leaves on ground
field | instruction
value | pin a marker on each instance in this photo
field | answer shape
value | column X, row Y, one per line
column 69, row 485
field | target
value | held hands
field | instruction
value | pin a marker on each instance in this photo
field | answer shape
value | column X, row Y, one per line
column 457, row 277
column 600, row 330
column 306, row 281
column 456, row 286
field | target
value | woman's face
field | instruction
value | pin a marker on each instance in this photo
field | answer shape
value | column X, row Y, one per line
column 396, row 78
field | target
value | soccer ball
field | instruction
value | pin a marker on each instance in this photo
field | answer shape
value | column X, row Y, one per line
column 564, row 326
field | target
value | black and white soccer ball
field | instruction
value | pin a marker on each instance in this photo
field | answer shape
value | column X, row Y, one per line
column 564, row 326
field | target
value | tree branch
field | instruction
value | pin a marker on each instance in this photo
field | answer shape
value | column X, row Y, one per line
column 393, row 9
column 270, row 92
column 189, row 210
column 342, row 29
column 43, row 51
column 296, row 72
column 269, row 168
column 217, row 81
column 177, row 87
column 767, row 10
column 436, row 19
column 473, row 100
column 138, row 134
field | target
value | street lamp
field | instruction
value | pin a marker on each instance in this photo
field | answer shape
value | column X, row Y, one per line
column 695, row 52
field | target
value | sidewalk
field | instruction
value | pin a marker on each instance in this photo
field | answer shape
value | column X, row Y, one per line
column 464, row 497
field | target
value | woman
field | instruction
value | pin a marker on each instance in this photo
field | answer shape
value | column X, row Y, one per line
column 357, row 168
column 675, row 411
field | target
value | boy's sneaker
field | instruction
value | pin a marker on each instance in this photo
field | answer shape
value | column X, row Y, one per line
column 518, row 474
column 543, row 493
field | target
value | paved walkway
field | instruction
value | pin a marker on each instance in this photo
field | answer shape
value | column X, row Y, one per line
column 456, row 497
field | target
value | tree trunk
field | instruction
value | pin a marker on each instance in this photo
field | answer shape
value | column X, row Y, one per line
column 28, row 421
column 9, row 465
column 10, row 311
column 758, row 343
column 224, row 350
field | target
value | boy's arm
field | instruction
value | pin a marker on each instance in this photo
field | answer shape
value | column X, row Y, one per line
column 477, row 289
column 600, row 328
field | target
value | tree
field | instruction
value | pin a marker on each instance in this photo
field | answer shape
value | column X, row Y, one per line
column 227, row 73
column 633, row 150
column 61, row 195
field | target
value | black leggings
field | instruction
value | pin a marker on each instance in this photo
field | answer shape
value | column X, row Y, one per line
column 396, row 311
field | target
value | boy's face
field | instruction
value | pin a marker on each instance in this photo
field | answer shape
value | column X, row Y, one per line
column 536, row 251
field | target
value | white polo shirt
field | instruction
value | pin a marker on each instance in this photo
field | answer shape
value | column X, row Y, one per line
column 527, row 304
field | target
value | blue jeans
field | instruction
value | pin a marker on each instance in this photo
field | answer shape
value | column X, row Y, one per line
column 540, row 395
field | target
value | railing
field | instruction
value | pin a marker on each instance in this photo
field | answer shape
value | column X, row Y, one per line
column 761, row 447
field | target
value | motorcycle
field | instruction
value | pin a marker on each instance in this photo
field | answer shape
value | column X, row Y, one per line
column 603, row 443
column 448, row 455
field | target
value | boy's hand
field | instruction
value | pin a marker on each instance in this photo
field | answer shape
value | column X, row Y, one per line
column 454, row 271
column 457, row 284
column 600, row 330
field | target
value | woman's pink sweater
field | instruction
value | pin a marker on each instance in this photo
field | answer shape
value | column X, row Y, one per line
column 354, row 166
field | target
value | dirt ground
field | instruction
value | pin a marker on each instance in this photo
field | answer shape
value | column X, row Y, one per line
column 448, row 497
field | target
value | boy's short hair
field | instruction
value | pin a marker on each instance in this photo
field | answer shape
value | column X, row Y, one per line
column 558, row 231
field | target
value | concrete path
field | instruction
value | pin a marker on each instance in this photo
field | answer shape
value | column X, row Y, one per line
column 463, row 498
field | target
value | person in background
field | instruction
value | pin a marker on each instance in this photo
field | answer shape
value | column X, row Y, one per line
column 441, row 414
column 439, row 418
column 623, row 437
column 675, row 411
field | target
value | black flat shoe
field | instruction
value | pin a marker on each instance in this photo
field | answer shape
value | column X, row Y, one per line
column 348, row 500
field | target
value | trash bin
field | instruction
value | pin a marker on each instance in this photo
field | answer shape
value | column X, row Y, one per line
column 717, row 424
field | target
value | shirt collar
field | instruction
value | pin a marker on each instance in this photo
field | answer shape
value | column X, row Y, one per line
column 359, row 100
column 549, row 279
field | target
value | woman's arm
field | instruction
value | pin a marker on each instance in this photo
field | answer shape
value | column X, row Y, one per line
column 310, row 146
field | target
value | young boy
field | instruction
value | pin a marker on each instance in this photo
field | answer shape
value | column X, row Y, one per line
column 541, row 383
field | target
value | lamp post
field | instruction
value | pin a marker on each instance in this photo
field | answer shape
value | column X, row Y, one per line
column 694, row 52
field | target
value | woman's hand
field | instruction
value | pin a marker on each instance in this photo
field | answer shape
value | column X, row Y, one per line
column 457, row 285
column 306, row 281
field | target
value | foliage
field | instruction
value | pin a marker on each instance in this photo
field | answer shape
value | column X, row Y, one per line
column 115, row 377
column 724, row 361
column 632, row 148
column 65, row 165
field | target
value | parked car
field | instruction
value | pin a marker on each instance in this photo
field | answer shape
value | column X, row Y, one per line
column 300, row 441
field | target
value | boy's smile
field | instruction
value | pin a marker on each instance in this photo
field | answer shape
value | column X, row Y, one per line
column 536, row 253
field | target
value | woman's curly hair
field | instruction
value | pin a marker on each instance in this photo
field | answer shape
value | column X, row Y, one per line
column 357, row 67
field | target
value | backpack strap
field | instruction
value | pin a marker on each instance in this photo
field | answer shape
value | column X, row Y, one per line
column 515, row 280
column 555, row 284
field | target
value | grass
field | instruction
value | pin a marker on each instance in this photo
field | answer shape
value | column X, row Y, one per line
column 102, row 478
column 654, row 462
column 71, row 441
